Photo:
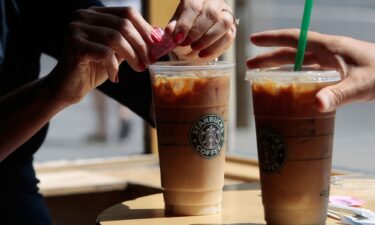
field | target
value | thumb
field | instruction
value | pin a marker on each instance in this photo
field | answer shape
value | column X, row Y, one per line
column 330, row 98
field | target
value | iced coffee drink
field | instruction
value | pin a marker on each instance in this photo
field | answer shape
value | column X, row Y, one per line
column 294, row 143
column 191, row 110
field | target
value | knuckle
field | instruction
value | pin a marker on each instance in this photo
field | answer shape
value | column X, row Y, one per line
column 130, row 12
column 113, row 36
column 184, row 26
column 334, row 44
column 194, row 6
column 106, row 52
column 194, row 33
column 122, row 23
column 227, row 22
column 125, row 26
column 337, row 96
column 128, row 24
column 80, row 14
column 78, row 48
column 94, row 8
column 212, row 14
column 73, row 27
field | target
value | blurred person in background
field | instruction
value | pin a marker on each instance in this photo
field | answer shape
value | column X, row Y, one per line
column 101, row 132
column 105, row 48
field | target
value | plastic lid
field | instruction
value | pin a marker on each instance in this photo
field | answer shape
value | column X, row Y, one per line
column 190, row 66
column 286, row 74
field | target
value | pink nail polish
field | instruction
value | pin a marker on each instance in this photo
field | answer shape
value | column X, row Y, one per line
column 178, row 38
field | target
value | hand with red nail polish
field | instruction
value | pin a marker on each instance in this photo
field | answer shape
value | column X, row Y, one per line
column 203, row 29
column 178, row 38
column 355, row 59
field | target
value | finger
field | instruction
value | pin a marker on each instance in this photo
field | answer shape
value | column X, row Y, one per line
column 188, row 11
column 138, row 44
column 286, row 55
column 219, row 47
column 210, row 15
column 357, row 86
column 115, row 40
column 289, row 38
column 219, row 29
column 86, row 51
column 122, row 13
column 170, row 28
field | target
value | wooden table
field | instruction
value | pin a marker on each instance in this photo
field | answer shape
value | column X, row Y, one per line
column 241, row 206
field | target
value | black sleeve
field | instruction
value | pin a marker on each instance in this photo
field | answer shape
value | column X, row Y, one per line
column 133, row 90
column 52, row 19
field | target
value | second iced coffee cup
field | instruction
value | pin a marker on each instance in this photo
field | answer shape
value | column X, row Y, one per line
column 191, row 110
column 294, row 143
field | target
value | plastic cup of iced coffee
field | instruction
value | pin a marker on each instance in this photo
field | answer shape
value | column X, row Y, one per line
column 191, row 113
column 294, row 142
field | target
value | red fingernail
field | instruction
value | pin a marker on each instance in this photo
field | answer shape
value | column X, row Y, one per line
column 203, row 54
column 186, row 42
column 197, row 46
column 178, row 38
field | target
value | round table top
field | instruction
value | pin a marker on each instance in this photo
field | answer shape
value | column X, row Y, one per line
column 242, row 205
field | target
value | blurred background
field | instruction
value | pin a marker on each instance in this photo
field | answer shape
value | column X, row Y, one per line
column 99, row 128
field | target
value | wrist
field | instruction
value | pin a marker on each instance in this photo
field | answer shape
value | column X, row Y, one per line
column 57, row 89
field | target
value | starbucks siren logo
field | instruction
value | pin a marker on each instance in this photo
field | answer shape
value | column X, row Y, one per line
column 272, row 150
column 207, row 136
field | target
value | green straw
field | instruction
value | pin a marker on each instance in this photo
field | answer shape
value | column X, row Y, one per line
column 302, row 42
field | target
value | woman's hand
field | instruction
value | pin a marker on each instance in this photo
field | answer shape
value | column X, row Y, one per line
column 355, row 59
column 98, row 40
column 204, row 29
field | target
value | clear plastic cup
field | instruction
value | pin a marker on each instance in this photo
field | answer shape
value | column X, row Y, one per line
column 191, row 111
column 294, row 142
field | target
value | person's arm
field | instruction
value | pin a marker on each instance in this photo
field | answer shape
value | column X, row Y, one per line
column 97, row 41
column 354, row 58
column 26, row 110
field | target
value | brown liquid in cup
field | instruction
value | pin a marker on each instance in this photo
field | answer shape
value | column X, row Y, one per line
column 295, row 149
column 189, row 111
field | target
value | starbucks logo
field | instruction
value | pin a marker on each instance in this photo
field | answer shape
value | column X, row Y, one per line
column 207, row 136
column 272, row 150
